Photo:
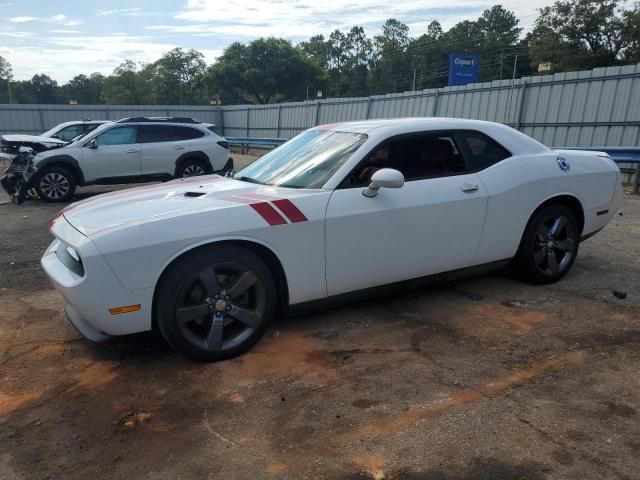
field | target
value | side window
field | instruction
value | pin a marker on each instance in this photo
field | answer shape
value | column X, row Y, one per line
column 118, row 136
column 167, row 133
column 89, row 127
column 185, row 133
column 416, row 156
column 481, row 151
column 153, row 133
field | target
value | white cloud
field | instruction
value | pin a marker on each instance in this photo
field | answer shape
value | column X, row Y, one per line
column 119, row 11
column 64, row 57
column 15, row 34
column 304, row 18
column 22, row 19
column 60, row 18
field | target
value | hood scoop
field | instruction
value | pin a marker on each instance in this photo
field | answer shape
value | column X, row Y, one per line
column 194, row 194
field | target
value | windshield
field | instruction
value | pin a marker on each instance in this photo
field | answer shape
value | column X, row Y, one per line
column 50, row 132
column 306, row 161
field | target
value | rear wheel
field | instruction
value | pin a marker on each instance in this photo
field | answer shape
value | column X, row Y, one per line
column 549, row 245
column 216, row 304
column 55, row 184
column 192, row 168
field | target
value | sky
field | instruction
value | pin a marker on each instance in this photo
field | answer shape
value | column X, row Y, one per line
column 64, row 38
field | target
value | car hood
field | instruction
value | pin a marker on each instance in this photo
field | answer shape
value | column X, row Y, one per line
column 28, row 139
column 137, row 206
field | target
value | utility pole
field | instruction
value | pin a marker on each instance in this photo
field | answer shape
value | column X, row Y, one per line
column 413, row 87
column 9, row 88
column 307, row 92
column 515, row 67
column 501, row 52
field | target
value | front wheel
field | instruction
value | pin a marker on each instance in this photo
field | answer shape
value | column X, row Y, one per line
column 216, row 304
column 549, row 245
column 55, row 184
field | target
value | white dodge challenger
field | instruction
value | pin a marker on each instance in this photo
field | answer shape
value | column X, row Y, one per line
column 339, row 210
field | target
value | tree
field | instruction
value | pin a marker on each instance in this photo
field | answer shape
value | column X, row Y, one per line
column 582, row 34
column 6, row 75
column 317, row 49
column 174, row 76
column 263, row 71
column 86, row 90
column 393, row 68
column 44, row 89
column 632, row 22
column 120, row 87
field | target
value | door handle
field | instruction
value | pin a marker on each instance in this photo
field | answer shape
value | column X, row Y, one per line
column 178, row 148
column 132, row 151
column 469, row 188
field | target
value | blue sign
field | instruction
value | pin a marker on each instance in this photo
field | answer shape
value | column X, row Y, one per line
column 463, row 69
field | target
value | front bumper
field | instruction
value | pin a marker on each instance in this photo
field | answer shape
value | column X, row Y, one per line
column 89, row 296
column 17, row 179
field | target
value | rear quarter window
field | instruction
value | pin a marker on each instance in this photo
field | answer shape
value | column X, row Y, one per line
column 167, row 133
column 480, row 150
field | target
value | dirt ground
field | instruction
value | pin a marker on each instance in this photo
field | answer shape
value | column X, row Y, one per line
column 486, row 378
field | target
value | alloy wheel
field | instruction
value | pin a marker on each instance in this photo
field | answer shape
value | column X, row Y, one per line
column 54, row 185
column 221, row 306
column 193, row 171
column 555, row 245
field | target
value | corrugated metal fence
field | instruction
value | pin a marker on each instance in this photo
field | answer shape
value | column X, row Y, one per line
column 598, row 107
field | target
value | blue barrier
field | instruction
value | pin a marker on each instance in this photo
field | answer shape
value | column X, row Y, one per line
column 258, row 142
column 617, row 154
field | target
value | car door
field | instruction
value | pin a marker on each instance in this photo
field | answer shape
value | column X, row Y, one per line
column 162, row 145
column 432, row 224
column 114, row 153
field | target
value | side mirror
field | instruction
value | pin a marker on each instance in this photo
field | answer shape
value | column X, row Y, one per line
column 93, row 144
column 384, row 178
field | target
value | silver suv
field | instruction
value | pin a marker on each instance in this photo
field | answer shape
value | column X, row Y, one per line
column 131, row 150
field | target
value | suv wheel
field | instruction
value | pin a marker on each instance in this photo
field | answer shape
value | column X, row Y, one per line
column 55, row 184
column 192, row 168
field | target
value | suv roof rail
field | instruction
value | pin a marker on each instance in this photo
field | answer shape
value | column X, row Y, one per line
column 158, row 119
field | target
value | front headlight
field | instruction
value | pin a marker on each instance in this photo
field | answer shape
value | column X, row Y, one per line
column 71, row 259
column 74, row 254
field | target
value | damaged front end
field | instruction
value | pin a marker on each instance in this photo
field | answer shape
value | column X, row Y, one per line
column 18, row 151
column 17, row 179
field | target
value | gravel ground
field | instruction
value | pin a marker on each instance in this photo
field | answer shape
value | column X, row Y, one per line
column 486, row 378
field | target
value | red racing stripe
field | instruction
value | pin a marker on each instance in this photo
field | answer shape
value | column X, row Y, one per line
column 292, row 212
column 269, row 213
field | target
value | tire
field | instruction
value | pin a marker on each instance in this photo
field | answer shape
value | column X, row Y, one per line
column 549, row 245
column 216, row 303
column 55, row 184
column 192, row 167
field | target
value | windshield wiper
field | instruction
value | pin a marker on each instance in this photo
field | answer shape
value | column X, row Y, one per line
column 250, row 180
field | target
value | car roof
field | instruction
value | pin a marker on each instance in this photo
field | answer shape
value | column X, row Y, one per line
column 514, row 140
column 83, row 122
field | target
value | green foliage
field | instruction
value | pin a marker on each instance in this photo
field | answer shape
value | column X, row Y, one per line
column 263, row 71
column 579, row 34
column 570, row 34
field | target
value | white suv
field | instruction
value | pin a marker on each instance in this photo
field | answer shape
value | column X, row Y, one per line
column 131, row 150
column 67, row 131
